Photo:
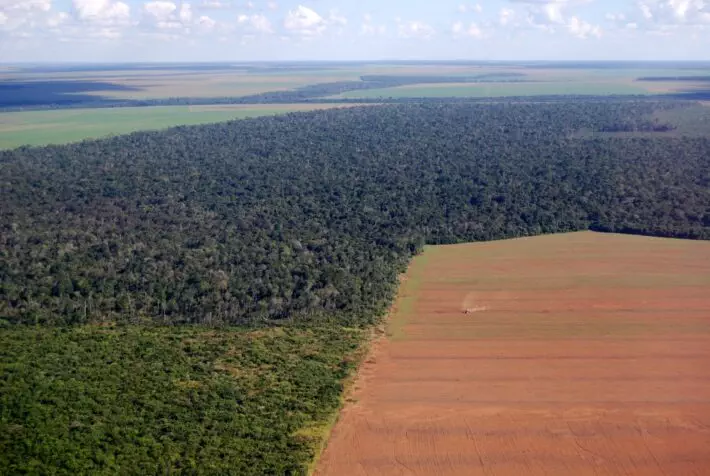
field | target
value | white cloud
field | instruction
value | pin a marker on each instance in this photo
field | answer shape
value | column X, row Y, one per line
column 272, row 6
column 675, row 12
column 553, row 12
column 213, row 5
column 414, row 29
column 368, row 28
column 166, row 15
column 8, row 7
column 553, row 16
column 460, row 30
column 335, row 18
column 58, row 19
column 102, row 12
column 304, row 21
column 205, row 23
column 662, row 17
column 546, row 14
column 582, row 29
column 257, row 22
column 3, row 18
column 465, row 8
column 105, row 33
column 185, row 14
column 505, row 16
column 160, row 10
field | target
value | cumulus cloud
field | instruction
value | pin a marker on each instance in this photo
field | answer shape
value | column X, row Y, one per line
column 257, row 23
column 335, row 18
column 552, row 16
column 467, row 7
column 304, row 22
column 58, row 19
column 8, row 6
column 582, row 29
column 166, row 15
column 546, row 14
column 160, row 10
column 506, row 16
column 16, row 16
column 675, row 12
column 461, row 30
column 205, row 23
column 213, row 5
column 414, row 29
column 369, row 28
column 663, row 16
column 102, row 12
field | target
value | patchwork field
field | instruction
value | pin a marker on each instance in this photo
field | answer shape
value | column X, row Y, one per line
column 70, row 125
column 167, row 83
column 578, row 354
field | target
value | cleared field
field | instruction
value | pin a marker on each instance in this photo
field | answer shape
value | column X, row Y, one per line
column 71, row 125
column 578, row 354
column 500, row 89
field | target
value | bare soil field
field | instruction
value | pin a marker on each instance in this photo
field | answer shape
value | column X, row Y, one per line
column 575, row 354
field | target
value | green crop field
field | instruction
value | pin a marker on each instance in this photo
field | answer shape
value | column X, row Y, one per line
column 70, row 125
column 500, row 89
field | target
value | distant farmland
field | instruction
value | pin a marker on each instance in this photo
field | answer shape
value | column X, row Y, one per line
column 167, row 83
column 64, row 126
column 578, row 353
column 500, row 89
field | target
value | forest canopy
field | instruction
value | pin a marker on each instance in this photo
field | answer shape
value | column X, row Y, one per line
column 311, row 216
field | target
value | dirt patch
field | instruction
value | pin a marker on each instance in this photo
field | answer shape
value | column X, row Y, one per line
column 600, row 364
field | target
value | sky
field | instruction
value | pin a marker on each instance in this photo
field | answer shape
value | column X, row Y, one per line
column 269, row 30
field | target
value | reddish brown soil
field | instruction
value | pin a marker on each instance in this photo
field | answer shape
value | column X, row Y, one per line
column 582, row 354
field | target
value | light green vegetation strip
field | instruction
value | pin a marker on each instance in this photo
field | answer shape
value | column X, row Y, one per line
column 71, row 125
column 499, row 90
column 408, row 292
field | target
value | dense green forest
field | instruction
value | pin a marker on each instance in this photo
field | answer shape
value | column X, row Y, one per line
column 295, row 228
column 312, row 216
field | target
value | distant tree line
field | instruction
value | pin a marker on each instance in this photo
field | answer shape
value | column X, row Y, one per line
column 312, row 216
column 288, row 97
column 674, row 78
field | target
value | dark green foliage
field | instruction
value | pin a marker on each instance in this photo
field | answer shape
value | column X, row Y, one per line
column 312, row 216
column 97, row 400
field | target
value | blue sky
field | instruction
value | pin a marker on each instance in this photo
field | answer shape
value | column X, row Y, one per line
column 236, row 30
